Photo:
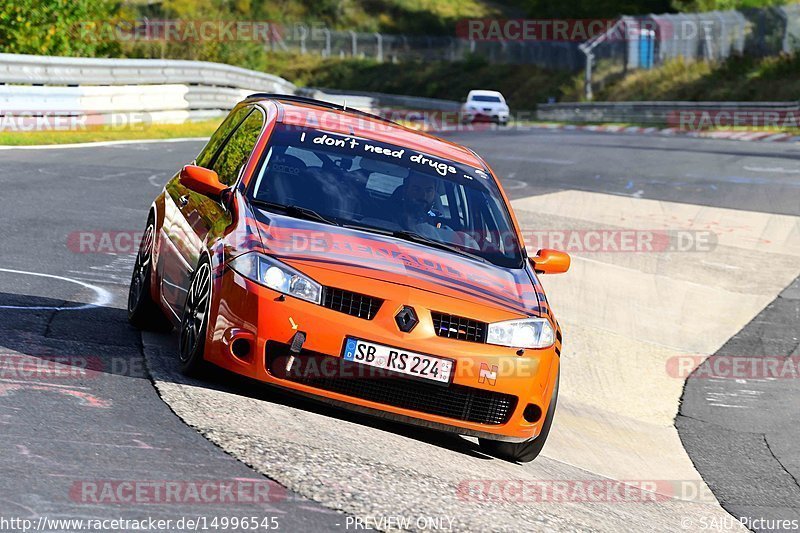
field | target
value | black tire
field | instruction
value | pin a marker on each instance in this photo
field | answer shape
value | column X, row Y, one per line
column 143, row 312
column 194, row 322
column 527, row 451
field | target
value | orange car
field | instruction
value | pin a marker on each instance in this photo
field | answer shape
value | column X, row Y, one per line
column 343, row 256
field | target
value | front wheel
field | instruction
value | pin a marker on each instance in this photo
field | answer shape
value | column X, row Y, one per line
column 527, row 451
column 194, row 323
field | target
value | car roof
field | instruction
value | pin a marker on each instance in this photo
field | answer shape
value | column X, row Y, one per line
column 299, row 111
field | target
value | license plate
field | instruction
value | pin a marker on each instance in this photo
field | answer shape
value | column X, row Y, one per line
column 400, row 361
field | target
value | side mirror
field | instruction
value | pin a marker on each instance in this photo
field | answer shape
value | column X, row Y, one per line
column 201, row 180
column 549, row 261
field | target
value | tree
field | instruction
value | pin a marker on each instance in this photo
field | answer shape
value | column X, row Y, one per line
column 56, row 27
column 577, row 9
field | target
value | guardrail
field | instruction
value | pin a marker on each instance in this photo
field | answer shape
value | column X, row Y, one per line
column 356, row 101
column 658, row 113
column 390, row 101
column 392, row 106
column 166, row 90
column 48, row 70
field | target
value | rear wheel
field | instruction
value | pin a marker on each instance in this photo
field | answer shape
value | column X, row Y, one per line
column 143, row 312
column 194, row 323
column 527, row 451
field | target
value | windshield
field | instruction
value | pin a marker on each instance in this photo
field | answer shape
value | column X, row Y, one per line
column 355, row 181
column 482, row 98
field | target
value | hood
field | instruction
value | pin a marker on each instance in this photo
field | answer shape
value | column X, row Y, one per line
column 485, row 105
column 385, row 258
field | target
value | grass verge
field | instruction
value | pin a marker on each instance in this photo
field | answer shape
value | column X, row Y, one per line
column 152, row 131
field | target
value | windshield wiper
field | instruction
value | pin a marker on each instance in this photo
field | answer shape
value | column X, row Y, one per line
column 296, row 211
column 416, row 237
column 371, row 229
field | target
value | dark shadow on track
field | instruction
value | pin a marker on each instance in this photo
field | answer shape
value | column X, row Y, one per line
column 97, row 339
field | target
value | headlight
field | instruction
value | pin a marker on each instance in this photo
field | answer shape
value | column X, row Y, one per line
column 277, row 276
column 524, row 333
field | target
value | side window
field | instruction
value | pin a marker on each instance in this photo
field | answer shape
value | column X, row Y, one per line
column 219, row 136
column 235, row 153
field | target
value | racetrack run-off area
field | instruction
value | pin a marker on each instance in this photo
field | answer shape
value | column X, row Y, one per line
column 632, row 317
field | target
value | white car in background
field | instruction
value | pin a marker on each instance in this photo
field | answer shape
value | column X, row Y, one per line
column 485, row 105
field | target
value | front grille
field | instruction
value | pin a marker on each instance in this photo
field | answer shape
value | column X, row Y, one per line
column 352, row 379
column 352, row 303
column 458, row 327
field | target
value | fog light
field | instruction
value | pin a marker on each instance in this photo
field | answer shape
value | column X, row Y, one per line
column 532, row 413
column 240, row 348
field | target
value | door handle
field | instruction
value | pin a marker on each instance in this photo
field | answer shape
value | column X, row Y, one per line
column 183, row 200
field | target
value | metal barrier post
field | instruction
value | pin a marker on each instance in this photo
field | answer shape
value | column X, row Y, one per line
column 587, row 80
column 327, row 33
column 303, row 34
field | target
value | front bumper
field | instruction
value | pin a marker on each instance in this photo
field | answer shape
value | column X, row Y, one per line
column 488, row 116
column 491, row 388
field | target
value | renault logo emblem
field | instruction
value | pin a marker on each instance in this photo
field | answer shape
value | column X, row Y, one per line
column 406, row 319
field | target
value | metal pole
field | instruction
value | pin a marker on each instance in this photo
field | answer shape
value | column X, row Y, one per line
column 303, row 34
column 327, row 33
column 785, row 42
column 354, row 42
column 587, row 82
column 379, row 38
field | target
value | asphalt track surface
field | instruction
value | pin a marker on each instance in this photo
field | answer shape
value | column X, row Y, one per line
column 624, row 315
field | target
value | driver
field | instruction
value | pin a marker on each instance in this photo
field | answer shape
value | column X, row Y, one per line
column 419, row 214
column 416, row 202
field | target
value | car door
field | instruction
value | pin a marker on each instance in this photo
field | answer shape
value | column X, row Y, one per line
column 189, row 216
